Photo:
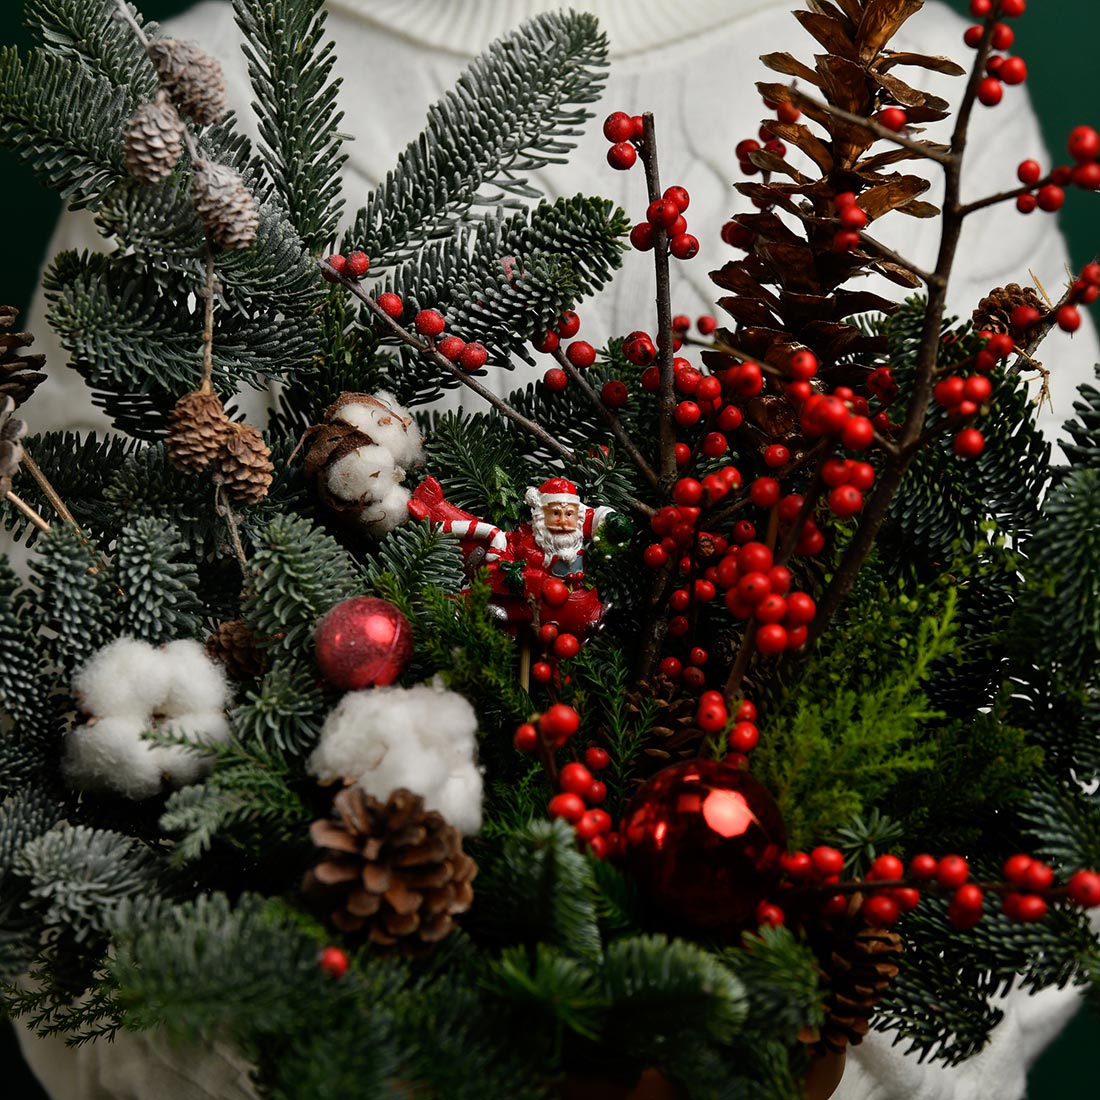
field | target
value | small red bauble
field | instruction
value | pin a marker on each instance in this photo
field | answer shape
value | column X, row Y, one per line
column 703, row 843
column 429, row 322
column 622, row 155
column 333, row 962
column 555, row 592
column 362, row 642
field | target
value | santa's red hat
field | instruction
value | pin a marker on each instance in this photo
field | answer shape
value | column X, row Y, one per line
column 555, row 490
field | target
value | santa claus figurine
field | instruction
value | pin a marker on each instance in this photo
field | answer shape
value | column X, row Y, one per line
column 537, row 571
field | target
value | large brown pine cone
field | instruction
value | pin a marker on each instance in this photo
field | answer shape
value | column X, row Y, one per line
column 994, row 311
column 154, row 140
column 234, row 644
column 192, row 78
column 197, row 430
column 225, row 205
column 390, row 872
column 244, row 465
column 19, row 374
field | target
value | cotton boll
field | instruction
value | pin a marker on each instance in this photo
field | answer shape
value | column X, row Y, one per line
column 366, row 474
column 126, row 677
column 382, row 516
column 388, row 424
column 111, row 755
column 406, row 764
column 459, row 800
column 197, row 682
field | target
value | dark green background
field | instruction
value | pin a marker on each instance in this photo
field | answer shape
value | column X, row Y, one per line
column 1059, row 40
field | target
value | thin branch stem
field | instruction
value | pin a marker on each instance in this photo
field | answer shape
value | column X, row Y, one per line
column 206, row 384
column 48, row 491
column 28, row 511
column 530, row 426
column 222, row 505
column 609, row 418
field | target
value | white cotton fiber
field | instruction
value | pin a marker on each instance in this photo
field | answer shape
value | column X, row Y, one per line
column 197, row 683
column 125, row 677
column 110, row 755
column 366, row 474
column 382, row 516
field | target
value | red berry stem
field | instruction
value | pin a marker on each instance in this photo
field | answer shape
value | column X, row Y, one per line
column 609, row 418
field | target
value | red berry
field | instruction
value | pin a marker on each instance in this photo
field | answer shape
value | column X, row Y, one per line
column 1069, row 318
column 771, row 609
column 566, row 646
column 787, row 112
column 715, row 444
column 990, row 91
column 886, row 866
column 948, row 392
column 978, row 388
column 711, row 716
column 1013, row 70
column 767, row 913
column 333, row 962
column 744, row 737
column 526, row 737
column 429, row 322
column 568, row 325
column 390, row 304
column 686, row 414
column 827, row 861
column 338, row 263
column 771, row 638
column 639, row 349
column 847, row 240
column 581, row 354
column 1023, row 317
column 1030, row 907
column 1010, row 9
column 952, row 871
column 969, row 443
column 693, row 677
column 641, row 236
column 559, row 722
column 671, row 667
column 858, row 433
column 639, row 127
column 575, row 777
column 981, row 8
column 1003, row 36
column 1026, row 204
column 737, row 236
column 1050, row 197
column 567, row 805
column 597, row 793
column 622, row 155
column 555, row 379
column 655, row 556
column 473, row 357
column 1039, row 876
column 845, row 501
column 541, row 672
column 1015, row 868
column 969, row 898
column 358, row 264
column 1083, row 143
column 706, row 324
column 548, row 632
column 618, row 126
column 451, row 347
column 662, row 213
column 893, row 118
column 679, row 196
column 1084, row 888
column 852, row 217
column 780, row 578
column 973, row 36
column 1029, row 172
column 801, row 609
column 597, row 758
column 1086, row 176
column 684, row 246
column 922, row 866
column 764, row 492
column 880, row 911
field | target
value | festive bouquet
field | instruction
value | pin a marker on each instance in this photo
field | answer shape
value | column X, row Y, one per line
column 679, row 717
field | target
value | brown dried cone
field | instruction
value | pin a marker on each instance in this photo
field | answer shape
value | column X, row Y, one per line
column 787, row 293
column 154, row 140
column 390, row 872
column 244, row 465
column 234, row 644
column 225, row 205
column 858, row 963
column 197, row 431
column 192, row 78
column 994, row 311
column 20, row 375
column 12, row 430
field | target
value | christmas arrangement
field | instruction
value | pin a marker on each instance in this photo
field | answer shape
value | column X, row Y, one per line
column 667, row 724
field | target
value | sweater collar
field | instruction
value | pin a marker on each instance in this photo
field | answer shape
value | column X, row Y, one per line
column 465, row 27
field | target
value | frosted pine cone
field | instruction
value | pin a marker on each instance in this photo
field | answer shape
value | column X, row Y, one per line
column 244, row 465
column 197, row 431
column 225, row 204
column 154, row 140
column 192, row 78
column 390, row 871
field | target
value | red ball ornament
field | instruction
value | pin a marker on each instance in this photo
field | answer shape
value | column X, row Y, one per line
column 703, row 842
column 362, row 642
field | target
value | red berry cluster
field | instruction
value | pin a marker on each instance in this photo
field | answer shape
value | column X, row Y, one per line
column 623, row 131
column 431, row 323
column 1001, row 67
column 1048, row 192
column 352, row 266
column 580, row 793
column 557, row 645
column 851, row 219
column 579, row 354
column 667, row 214
column 681, row 323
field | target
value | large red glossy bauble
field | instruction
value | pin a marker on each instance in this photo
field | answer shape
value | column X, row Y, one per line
column 362, row 642
column 703, row 841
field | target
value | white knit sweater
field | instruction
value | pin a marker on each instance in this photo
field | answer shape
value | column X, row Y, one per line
column 693, row 64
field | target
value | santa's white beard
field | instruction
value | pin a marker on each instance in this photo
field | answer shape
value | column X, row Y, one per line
column 565, row 546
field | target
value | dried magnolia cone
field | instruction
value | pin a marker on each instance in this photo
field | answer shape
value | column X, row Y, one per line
column 391, row 872
column 358, row 456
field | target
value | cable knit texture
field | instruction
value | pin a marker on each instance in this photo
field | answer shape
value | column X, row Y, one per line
column 693, row 65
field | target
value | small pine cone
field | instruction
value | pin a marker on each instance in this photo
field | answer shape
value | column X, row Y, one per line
column 244, row 465
column 20, row 375
column 235, row 646
column 12, row 429
column 192, row 78
column 154, row 140
column 994, row 311
column 225, row 204
column 197, row 431
column 390, row 872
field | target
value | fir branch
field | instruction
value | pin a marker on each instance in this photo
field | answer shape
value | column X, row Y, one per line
column 511, row 112
column 1084, row 428
column 420, row 558
column 290, row 65
column 284, row 715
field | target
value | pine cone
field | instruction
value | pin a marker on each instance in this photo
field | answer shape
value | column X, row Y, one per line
column 12, row 429
column 244, row 465
column 192, row 78
column 225, row 204
column 858, row 963
column 994, row 311
column 154, row 140
column 197, row 431
column 234, row 644
column 20, row 375
column 390, row 872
